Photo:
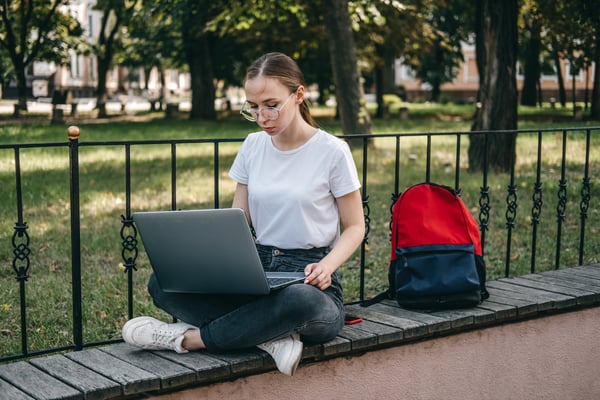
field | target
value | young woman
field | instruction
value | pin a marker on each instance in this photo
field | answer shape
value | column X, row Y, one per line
column 296, row 183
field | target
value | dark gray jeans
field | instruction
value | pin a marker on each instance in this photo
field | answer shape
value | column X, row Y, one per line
column 229, row 322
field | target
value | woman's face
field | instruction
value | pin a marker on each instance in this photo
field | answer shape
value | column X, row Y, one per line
column 267, row 99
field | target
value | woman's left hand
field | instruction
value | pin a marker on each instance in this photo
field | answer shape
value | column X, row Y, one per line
column 317, row 274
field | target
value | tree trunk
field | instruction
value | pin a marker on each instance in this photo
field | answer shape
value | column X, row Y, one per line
column 586, row 93
column 101, row 95
column 21, row 90
column 384, row 79
column 354, row 116
column 163, row 90
column 574, row 89
column 532, row 68
column 436, row 90
column 436, row 81
column 202, row 75
column 497, row 47
column 379, row 90
column 562, row 93
column 106, row 40
column 595, row 108
column 389, row 77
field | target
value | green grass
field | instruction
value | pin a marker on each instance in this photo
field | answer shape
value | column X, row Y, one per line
column 45, row 183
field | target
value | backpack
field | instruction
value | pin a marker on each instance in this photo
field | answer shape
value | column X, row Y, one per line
column 436, row 253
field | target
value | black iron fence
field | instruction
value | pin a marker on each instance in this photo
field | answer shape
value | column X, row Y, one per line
column 538, row 215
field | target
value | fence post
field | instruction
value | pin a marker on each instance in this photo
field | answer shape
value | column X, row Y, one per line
column 73, row 133
column 21, row 251
column 367, row 216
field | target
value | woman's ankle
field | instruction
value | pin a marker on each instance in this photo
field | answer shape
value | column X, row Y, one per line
column 192, row 340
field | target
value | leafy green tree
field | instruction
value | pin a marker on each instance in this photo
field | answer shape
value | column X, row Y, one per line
column 35, row 30
column 531, row 39
column 248, row 29
column 386, row 31
column 555, row 37
column 354, row 116
column 201, row 31
column 574, row 38
column 153, row 41
column 299, row 30
column 449, row 24
column 116, row 15
column 590, row 11
column 198, row 43
column 496, row 51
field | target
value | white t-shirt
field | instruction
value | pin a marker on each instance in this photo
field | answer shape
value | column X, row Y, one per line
column 291, row 194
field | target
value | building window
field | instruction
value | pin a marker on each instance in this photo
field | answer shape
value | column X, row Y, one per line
column 75, row 66
column 92, row 68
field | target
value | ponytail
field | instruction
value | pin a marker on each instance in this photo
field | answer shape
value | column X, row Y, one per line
column 305, row 112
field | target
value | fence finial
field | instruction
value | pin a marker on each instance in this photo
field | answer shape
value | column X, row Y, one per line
column 73, row 132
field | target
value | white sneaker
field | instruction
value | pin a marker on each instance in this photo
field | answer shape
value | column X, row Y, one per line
column 286, row 353
column 152, row 334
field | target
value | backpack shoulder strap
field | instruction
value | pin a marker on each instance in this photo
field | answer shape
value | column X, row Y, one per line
column 377, row 299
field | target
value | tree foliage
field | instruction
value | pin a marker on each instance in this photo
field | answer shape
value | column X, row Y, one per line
column 530, row 38
column 384, row 32
column 116, row 15
column 449, row 24
column 575, row 38
column 35, row 30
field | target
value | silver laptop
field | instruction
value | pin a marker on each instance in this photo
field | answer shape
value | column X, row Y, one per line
column 206, row 251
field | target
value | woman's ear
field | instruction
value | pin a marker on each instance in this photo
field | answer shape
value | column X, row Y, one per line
column 300, row 94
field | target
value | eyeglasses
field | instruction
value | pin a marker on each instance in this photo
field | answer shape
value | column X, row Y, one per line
column 252, row 112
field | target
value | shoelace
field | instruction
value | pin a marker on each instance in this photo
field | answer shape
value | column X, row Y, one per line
column 163, row 337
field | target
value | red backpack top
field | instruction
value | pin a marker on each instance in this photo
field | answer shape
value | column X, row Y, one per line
column 428, row 213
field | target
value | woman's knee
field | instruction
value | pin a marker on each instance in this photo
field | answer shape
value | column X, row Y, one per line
column 311, row 302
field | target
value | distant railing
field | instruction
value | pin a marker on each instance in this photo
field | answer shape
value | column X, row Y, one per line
column 398, row 156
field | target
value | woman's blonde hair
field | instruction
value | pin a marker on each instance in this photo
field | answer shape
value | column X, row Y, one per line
column 284, row 69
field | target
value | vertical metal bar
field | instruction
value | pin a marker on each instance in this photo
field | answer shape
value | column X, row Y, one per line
column 428, row 158
column 536, row 210
column 73, row 133
column 584, row 205
column 128, row 179
column 484, row 197
column 367, row 213
column 562, row 200
column 396, row 171
column 173, row 176
column 174, row 182
column 21, row 251
column 216, row 173
column 510, row 214
column 396, row 193
column 457, row 170
column 129, row 242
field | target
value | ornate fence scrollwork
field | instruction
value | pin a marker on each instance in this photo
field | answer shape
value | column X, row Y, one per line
column 367, row 214
column 511, row 206
column 484, row 208
column 129, row 243
column 536, row 212
column 21, row 251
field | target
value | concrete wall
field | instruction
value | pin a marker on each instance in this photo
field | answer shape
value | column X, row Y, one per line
column 556, row 357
